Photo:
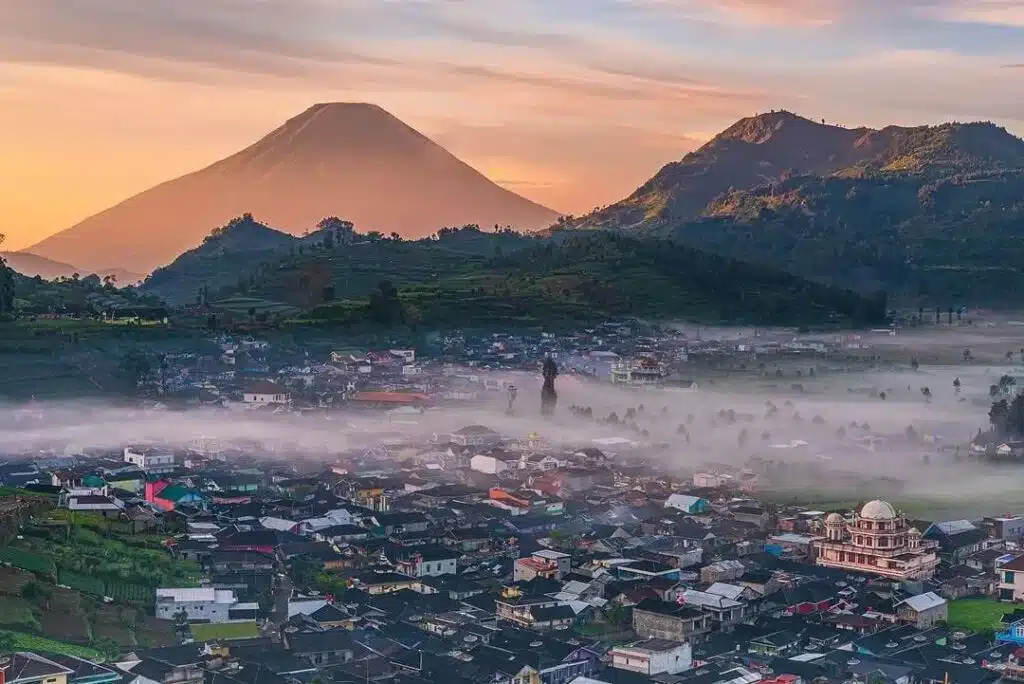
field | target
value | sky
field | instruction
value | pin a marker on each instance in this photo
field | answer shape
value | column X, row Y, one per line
column 572, row 103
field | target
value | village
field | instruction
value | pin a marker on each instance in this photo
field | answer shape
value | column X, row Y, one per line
column 324, row 516
column 482, row 558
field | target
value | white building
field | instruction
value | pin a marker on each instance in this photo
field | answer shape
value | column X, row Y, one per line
column 206, row 605
column 264, row 393
column 562, row 560
column 429, row 563
column 653, row 657
column 150, row 460
column 492, row 464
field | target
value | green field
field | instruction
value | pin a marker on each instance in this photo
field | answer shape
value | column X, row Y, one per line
column 225, row 630
column 30, row 642
column 977, row 615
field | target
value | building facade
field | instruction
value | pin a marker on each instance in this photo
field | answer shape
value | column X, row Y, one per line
column 878, row 541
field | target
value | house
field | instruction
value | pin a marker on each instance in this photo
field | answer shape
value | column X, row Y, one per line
column 957, row 539
column 652, row 657
column 923, row 611
column 265, row 393
column 693, row 505
column 1011, row 578
column 475, row 436
column 541, row 463
column 722, row 610
column 662, row 620
column 530, row 568
column 30, row 668
column 532, row 612
column 494, row 462
column 199, row 605
column 320, row 649
column 1013, row 628
column 775, row 645
column 400, row 523
column 429, row 562
column 108, row 506
column 1008, row 527
column 151, row 460
column 374, row 583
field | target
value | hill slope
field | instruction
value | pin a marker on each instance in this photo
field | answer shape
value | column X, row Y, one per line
column 467, row 277
column 927, row 213
column 353, row 160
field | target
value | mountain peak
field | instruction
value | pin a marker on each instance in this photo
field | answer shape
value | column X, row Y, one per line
column 761, row 128
column 349, row 159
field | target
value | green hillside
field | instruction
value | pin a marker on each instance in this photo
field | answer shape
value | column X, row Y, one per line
column 932, row 215
column 468, row 277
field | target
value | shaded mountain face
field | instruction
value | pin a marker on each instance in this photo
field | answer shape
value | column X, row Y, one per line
column 356, row 161
column 769, row 148
column 931, row 215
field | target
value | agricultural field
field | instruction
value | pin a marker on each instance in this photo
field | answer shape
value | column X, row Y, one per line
column 17, row 614
column 225, row 630
column 30, row 642
column 62, row 617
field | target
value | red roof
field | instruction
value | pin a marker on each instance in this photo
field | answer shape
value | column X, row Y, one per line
column 391, row 397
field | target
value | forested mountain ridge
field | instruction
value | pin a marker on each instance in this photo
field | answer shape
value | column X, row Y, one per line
column 465, row 276
column 932, row 214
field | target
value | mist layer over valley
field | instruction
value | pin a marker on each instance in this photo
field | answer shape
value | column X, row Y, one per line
column 819, row 430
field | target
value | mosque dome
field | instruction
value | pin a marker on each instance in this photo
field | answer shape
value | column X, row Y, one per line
column 878, row 510
column 834, row 519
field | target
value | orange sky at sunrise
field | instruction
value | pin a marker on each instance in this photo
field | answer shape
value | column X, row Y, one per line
column 570, row 103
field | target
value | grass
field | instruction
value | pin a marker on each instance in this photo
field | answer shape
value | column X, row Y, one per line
column 977, row 615
column 30, row 642
column 225, row 630
column 14, row 491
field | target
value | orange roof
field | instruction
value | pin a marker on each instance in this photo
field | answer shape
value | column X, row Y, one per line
column 391, row 397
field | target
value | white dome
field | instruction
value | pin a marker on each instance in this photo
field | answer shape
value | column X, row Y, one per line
column 878, row 510
column 834, row 518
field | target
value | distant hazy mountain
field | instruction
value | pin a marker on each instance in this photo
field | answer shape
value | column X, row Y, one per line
column 32, row 265
column 355, row 161
column 932, row 213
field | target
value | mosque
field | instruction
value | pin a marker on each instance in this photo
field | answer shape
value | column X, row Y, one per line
column 878, row 541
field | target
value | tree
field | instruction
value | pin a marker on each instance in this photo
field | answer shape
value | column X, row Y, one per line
column 8, row 643
column 33, row 591
column 110, row 649
column 385, row 305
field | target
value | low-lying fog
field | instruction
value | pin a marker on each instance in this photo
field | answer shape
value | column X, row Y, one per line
column 838, row 437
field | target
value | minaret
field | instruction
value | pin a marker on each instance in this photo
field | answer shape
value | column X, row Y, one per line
column 834, row 525
column 548, row 396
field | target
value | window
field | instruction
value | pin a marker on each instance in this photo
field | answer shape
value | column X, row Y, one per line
column 1008, row 577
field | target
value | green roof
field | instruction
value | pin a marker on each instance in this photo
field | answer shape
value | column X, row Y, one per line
column 176, row 492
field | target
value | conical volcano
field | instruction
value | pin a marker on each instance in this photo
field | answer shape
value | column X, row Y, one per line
column 351, row 160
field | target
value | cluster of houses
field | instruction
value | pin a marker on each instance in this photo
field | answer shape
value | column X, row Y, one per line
column 484, row 559
column 235, row 371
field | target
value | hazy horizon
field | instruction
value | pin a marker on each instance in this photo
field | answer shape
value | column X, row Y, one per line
column 570, row 104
